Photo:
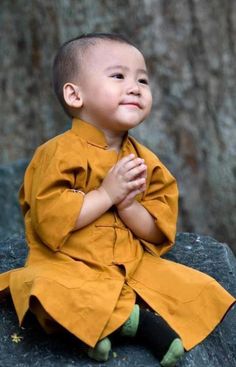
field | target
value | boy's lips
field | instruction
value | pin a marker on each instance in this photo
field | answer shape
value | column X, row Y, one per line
column 131, row 104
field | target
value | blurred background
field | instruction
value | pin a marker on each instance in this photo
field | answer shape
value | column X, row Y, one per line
column 190, row 48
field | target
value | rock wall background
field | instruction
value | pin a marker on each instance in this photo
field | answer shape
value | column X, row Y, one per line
column 190, row 50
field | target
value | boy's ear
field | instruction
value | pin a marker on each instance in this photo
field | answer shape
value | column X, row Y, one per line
column 72, row 95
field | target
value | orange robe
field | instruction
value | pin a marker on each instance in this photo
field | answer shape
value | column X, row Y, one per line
column 87, row 280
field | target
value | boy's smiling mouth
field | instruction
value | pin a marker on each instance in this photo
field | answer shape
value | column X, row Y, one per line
column 131, row 104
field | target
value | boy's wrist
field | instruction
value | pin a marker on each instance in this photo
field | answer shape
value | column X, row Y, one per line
column 105, row 195
column 125, row 208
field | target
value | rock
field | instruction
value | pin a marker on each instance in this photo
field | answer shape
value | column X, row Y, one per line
column 11, row 177
column 38, row 349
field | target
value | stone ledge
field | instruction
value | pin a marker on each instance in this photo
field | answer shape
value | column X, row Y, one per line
column 37, row 349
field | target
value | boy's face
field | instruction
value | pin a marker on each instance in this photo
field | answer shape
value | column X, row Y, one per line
column 114, row 86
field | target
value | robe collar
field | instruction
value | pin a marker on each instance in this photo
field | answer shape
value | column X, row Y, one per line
column 92, row 134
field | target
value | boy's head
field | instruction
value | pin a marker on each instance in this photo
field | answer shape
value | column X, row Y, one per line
column 98, row 75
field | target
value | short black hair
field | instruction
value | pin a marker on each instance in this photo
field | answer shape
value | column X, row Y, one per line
column 66, row 63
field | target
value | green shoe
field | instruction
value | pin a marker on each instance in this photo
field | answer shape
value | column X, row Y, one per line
column 175, row 351
column 101, row 350
column 130, row 327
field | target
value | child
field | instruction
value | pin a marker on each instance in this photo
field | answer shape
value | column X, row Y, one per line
column 100, row 209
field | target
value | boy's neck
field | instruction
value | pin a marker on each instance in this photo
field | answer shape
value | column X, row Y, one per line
column 114, row 139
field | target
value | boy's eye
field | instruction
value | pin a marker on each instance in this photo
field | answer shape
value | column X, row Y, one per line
column 118, row 76
column 143, row 81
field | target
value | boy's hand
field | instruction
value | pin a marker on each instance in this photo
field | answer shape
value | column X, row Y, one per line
column 125, row 180
column 129, row 199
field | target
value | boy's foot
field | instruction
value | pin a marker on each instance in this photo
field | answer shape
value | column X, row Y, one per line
column 101, row 350
column 163, row 341
column 130, row 327
column 173, row 354
column 153, row 330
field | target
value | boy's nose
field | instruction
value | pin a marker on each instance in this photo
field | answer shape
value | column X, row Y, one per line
column 134, row 88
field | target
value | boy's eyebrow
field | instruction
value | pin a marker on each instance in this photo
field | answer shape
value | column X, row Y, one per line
column 110, row 68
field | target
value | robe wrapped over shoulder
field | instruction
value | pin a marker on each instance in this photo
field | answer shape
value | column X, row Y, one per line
column 87, row 280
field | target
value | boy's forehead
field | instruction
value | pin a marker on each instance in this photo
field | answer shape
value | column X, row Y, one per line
column 108, row 51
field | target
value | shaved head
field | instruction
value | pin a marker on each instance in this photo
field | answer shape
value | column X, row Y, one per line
column 70, row 57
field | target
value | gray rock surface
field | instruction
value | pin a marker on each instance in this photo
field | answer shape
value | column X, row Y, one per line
column 11, row 177
column 38, row 349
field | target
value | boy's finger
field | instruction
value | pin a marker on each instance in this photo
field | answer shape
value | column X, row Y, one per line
column 126, row 165
column 123, row 161
column 133, row 163
column 127, row 158
column 136, row 184
column 137, row 172
column 143, row 174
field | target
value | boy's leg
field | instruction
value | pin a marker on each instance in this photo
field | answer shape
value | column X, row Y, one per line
column 99, row 353
column 44, row 319
column 152, row 330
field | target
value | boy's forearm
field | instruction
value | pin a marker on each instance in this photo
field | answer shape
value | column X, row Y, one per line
column 96, row 203
column 141, row 223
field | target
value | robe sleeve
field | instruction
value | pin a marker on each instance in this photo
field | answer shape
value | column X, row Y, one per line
column 161, row 201
column 49, row 193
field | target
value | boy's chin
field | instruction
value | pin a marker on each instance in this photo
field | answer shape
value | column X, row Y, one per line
column 129, row 123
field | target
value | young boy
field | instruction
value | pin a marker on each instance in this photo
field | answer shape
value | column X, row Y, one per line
column 100, row 209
